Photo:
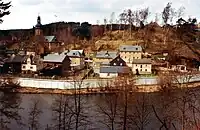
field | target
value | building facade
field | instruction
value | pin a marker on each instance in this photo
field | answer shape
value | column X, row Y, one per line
column 142, row 66
column 128, row 53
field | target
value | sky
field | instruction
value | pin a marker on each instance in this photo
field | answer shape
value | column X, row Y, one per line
column 24, row 12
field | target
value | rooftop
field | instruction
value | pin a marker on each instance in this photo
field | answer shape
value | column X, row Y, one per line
column 56, row 58
column 130, row 48
column 73, row 53
column 114, row 69
column 142, row 61
column 107, row 54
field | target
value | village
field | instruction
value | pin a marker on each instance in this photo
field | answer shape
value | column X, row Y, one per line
column 41, row 60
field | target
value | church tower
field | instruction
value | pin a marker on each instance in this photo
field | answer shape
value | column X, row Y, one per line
column 38, row 27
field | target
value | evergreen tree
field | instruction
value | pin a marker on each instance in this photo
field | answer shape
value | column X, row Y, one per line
column 4, row 6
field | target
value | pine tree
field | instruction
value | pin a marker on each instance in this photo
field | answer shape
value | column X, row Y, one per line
column 4, row 6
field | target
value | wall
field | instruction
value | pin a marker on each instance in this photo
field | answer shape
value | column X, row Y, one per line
column 129, row 56
column 108, row 75
column 146, row 68
column 89, row 83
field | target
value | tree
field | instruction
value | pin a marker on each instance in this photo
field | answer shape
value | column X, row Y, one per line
column 34, row 114
column 4, row 6
column 105, row 25
column 166, row 13
column 69, row 110
column 140, row 112
column 9, row 103
column 110, row 110
column 112, row 17
column 123, row 18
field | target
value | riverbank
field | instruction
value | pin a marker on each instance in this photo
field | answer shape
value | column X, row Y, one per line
column 89, row 91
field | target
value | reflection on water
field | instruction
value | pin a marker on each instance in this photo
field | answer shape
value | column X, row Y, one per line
column 168, row 108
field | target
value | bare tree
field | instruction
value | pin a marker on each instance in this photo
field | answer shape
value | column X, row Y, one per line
column 109, row 109
column 140, row 112
column 112, row 17
column 9, row 103
column 105, row 25
column 166, row 13
column 34, row 114
column 123, row 18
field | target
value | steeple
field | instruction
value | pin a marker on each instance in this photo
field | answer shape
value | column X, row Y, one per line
column 38, row 26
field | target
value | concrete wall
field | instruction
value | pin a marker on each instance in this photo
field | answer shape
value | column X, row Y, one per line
column 89, row 83
column 108, row 75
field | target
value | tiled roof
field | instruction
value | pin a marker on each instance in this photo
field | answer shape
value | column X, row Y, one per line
column 114, row 69
column 107, row 54
column 56, row 58
column 130, row 48
column 49, row 38
column 142, row 61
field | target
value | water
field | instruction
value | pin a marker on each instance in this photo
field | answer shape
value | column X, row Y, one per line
column 139, row 104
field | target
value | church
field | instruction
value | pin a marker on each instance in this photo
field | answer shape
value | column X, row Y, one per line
column 40, row 43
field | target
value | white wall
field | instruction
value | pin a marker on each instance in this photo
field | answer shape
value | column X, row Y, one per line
column 29, row 67
column 110, row 75
column 145, row 69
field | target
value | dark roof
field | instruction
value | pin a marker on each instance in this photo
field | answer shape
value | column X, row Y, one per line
column 17, row 59
column 142, row 61
column 114, row 69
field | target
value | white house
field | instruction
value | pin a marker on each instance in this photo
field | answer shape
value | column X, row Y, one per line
column 143, row 66
column 32, row 64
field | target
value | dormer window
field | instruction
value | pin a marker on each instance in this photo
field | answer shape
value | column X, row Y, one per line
column 74, row 53
column 136, row 48
column 124, row 48
column 114, row 63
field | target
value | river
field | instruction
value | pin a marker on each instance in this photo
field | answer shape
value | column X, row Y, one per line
column 95, row 116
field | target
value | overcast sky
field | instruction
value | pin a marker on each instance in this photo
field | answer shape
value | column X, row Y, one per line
column 24, row 12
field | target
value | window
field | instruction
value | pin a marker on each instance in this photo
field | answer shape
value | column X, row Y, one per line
column 140, row 66
column 146, row 65
column 121, row 64
column 125, row 57
column 145, row 69
column 31, row 67
column 117, row 59
column 136, row 65
column 114, row 64
column 108, row 74
column 136, row 48
column 140, row 69
column 24, row 67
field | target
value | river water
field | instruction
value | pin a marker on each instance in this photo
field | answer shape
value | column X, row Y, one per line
column 95, row 116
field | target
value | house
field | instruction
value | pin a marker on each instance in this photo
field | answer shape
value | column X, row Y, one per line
column 129, row 52
column 77, row 58
column 113, row 71
column 118, row 61
column 142, row 66
column 55, row 64
column 32, row 64
column 180, row 68
column 14, row 63
column 103, row 58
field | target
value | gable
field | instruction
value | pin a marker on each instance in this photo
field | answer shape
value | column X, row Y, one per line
column 118, row 61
